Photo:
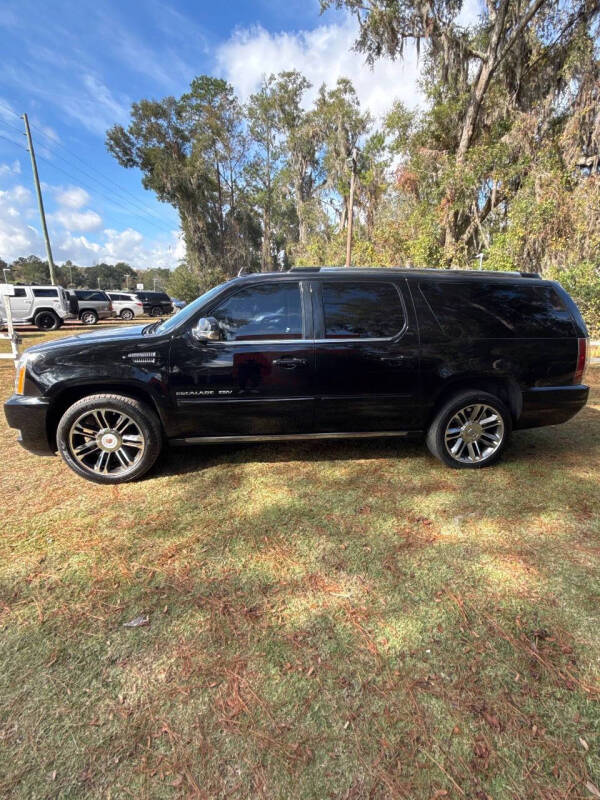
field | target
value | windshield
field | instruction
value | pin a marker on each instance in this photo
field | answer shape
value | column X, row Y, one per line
column 188, row 311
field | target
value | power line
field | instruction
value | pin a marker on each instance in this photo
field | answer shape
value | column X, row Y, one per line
column 115, row 201
column 150, row 215
column 12, row 141
column 109, row 183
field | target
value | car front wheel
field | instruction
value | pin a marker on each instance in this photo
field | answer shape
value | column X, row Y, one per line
column 109, row 438
column 470, row 431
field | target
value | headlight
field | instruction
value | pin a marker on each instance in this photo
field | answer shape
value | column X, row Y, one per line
column 20, row 376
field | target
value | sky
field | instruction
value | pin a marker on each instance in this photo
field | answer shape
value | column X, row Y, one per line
column 76, row 68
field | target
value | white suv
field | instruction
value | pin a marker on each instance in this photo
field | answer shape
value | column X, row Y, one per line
column 126, row 305
column 47, row 307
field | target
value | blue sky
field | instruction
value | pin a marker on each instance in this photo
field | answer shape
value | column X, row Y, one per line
column 75, row 68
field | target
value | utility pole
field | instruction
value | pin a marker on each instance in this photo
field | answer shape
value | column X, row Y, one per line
column 36, row 180
column 351, row 208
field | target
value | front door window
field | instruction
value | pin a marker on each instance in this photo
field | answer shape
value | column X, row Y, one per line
column 272, row 311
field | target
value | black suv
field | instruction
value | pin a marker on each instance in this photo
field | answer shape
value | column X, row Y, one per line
column 309, row 354
column 155, row 303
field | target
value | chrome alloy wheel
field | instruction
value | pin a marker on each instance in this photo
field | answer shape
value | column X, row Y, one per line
column 106, row 441
column 474, row 433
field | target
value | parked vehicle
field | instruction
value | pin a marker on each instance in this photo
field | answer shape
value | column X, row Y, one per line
column 46, row 307
column 178, row 304
column 462, row 357
column 94, row 304
column 126, row 305
column 156, row 304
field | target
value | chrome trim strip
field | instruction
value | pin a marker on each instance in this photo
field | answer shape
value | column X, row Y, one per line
column 214, row 398
column 286, row 437
column 299, row 341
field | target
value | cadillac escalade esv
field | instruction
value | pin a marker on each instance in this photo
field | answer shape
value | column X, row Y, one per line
column 461, row 357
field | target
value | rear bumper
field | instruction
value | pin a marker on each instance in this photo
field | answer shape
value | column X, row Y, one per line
column 551, row 405
column 29, row 416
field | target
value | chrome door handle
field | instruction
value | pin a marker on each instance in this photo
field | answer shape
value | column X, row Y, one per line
column 391, row 359
column 289, row 363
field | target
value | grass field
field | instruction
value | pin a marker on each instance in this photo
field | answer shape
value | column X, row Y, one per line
column 343, row 620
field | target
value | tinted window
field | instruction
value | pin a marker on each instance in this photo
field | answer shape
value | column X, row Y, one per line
column 92, row 295
column 19, row 293
column 45, row 293
column 153, row 296
column 361, row 310
column 271, row 311
column 481, row 310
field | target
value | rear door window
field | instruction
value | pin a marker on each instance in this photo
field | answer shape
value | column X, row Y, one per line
column 361, row 310
column 45, row 293
column 486, row 310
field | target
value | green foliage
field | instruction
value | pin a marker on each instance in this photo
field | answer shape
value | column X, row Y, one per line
column 582, row 281
column 186, row 283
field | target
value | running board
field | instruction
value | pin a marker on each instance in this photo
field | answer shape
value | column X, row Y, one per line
column 287, row 437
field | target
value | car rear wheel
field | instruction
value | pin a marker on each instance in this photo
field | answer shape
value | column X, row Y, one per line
column 470, row 431
column 89, row 317
column 127, row 314
column 47, row 321
column 155, row 311
column 109, row 438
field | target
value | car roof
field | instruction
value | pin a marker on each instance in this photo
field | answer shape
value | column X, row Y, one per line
column 388, row 272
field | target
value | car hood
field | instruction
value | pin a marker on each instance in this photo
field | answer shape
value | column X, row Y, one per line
column 110, row 334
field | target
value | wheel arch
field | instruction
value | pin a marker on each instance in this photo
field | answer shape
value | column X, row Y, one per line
column 506, row 389
column 71, row 394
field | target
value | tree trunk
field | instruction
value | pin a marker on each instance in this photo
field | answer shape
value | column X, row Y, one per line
column 265, row 257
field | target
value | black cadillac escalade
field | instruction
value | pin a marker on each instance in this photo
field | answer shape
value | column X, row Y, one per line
column 462, row 357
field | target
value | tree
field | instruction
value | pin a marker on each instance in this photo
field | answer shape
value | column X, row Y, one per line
column 184, row 283
column 154, row 278
column 488, row 85
column 339, row 117
column 265, row 163
column 190, row 151
column 303, row 138
column 30, row 269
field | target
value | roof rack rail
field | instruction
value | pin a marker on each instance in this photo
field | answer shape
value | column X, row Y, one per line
column 529, row 274
column 304, row 269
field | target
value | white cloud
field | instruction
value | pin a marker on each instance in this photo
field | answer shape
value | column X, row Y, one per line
column 17, row 238
column 75, row 232
column 323, row 54
column 10, row 169
column 18, row 194
column 72, row 197
column 77, row 220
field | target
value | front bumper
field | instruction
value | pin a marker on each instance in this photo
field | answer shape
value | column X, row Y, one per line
column 551, row 405
column 29, row 416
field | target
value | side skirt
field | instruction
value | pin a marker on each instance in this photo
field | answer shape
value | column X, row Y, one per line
column 288, row 437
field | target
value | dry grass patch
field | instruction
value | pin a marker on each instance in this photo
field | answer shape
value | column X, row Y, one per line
column 339, row 620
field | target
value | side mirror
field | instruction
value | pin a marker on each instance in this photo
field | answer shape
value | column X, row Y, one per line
column 206, row 330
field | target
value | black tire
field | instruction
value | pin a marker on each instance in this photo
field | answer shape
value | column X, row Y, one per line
column 126, row 314
column 155, row 311
column 47, row 321
column 494, row 435
column 111, row 408
column 89, row 317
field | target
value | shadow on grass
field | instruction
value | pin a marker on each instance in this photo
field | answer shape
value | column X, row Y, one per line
column 525, row 446
column 357, row 622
